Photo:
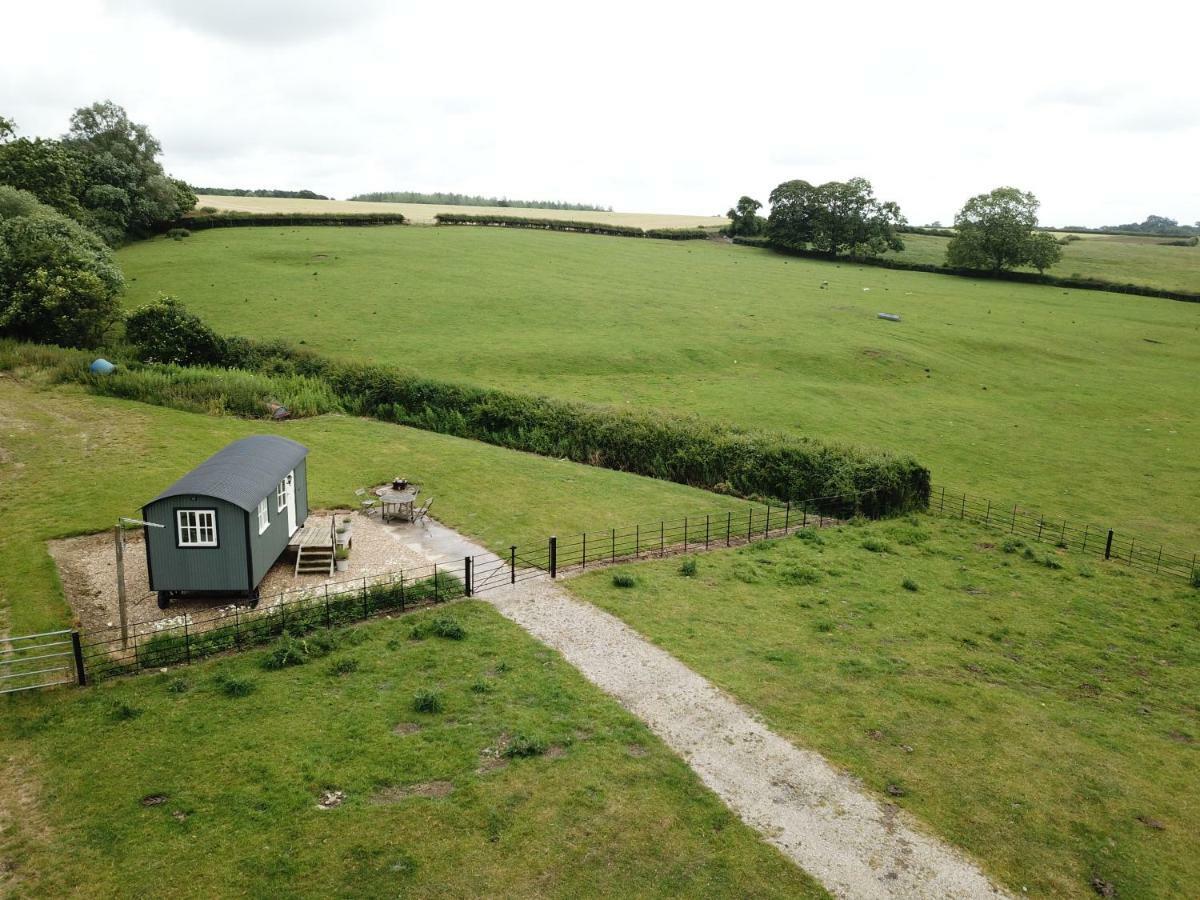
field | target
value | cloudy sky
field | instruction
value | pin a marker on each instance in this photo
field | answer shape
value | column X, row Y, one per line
column 657, row 107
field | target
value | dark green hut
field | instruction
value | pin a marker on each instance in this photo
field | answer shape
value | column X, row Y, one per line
column 228, row 520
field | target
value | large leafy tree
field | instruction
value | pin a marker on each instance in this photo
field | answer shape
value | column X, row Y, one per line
column 58, row 281
column 744, row 218
column 835, row 217
column 104, row 173
column 996, row 231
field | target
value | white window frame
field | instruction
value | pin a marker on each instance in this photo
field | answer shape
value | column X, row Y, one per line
column 264, row 520
column 281, row 496
column 192, row 526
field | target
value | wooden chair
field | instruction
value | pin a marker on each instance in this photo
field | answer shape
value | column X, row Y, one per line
column 366, row 503
column 420, row 512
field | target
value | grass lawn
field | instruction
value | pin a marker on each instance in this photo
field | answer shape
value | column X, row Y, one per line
column 1076, row 402
column 70, row 463
column 1045, row 719
column 169, row 785
column 1121, row 258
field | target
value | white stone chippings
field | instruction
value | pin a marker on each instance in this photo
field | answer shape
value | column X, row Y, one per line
column 855, row 845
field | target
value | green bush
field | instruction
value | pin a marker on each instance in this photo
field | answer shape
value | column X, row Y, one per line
column 875, row 545
column 483, row 686
column 178, row 234
column 810, row 536
column 344, row 666
column 209, row 217
column 624, row 580
column 289, row 651
column 1196, row 579
column 909, row 585
column 801, row 575
column 1012, row 545
column 445, row 627
column 123, row 711
column 59, row 283
column 427, row 701
column 523, row 745
column 237, row 687
column 177, row 686
column 165, row 332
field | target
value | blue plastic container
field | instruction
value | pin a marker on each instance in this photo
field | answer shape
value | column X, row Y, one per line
column 101, row 367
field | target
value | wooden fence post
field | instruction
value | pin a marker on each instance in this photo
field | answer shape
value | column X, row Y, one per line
column 728, row 526
column 553, row 556
column 706, row 518
column 512, row 564
column 1108, row 545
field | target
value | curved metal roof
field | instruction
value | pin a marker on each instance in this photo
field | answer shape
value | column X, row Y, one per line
column 243, row 473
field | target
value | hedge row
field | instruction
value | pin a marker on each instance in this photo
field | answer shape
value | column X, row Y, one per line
column 670, row 234
column 1085, row 284
column 232, row 219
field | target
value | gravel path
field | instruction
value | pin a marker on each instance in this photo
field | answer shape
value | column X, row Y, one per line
column 821, row 818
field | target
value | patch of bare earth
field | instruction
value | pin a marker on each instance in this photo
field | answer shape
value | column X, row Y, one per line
column 87, row 567
column 429, row 789
column 23, row 826
column 406, row 728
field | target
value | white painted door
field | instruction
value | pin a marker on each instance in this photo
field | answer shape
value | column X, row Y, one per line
column 289, row 486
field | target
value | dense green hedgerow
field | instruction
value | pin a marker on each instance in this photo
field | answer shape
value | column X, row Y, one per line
column 836, row 479
column 199, row 219
column 669, row 234
column 1076, row 282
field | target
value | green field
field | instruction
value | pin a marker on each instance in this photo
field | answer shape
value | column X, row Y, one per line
column 1124, row 259
column 1075, row 402
column 605, row 810
column 1040, row 712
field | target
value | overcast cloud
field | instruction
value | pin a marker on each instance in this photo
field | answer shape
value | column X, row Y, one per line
column 656, row 107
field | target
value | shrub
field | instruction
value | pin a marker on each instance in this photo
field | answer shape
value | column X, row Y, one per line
column 793, row 574
column 1012, row 545
column 809, row 536
column 524, row 745
column 909, row 585
column 345, row 666
column 123, row 711
column 427, row 701
column 287, row 652
column 1196, row 579
column 237, row 687
column 59, row 283
column 165, row 332
column 824, row 627
column 482, row 686
column 446, row 627
column 875, row 545
column 690, row 567
column 623, row 580
column 177, row 686
column 178, row 233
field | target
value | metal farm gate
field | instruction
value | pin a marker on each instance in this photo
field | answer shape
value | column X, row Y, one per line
column 32, row 661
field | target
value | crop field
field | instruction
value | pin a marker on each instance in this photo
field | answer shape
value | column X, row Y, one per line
column 1124, row 259
column 423, row 213
column 1032, row 706
column 1069, row 402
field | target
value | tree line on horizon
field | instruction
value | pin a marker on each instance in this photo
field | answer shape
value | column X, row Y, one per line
column 259, row 192
column 452, row 199
column 995, row 231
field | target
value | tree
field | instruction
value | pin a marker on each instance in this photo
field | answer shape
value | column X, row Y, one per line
column 47, row 169
column 8, row 129
column 744, row 218
column 1044, row 251
column 995, row 231
column 834, row 217
column 59, row 283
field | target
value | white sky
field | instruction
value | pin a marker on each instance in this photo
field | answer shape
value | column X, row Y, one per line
column 655, row 107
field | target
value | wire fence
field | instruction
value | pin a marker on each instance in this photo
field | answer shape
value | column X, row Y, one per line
column 155, row 644
column 1083, row 537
